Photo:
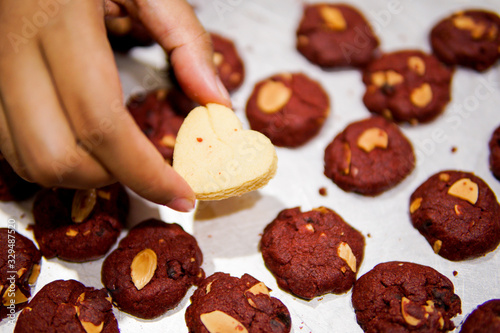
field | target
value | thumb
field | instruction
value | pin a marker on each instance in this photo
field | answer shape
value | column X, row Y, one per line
column 176, row 28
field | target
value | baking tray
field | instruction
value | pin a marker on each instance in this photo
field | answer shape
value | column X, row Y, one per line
column 228, row 231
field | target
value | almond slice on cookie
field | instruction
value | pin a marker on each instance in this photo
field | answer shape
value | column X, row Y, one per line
column 218, row 158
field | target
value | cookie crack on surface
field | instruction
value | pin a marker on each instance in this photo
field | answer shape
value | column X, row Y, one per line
column 308, row 102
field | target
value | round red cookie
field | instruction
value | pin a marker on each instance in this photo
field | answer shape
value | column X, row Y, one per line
column 79, row 225
column 484, row 319
column 289, row 109
column 159, row 114
column 335, row 35
column 228, row 62
column 13, row 187
column 369, row 157
column 68, row 306
column 494, row 158
column 312, row 253
column 152, row 268
column 19, row 269
column 469, row 38
column 236, row 304
column 407, row 86
column 458, row 214
column 405, row 297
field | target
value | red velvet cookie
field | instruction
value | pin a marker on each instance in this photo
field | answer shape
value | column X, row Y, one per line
column 223, row 303
column 494, row 159
column 469, row 38
column 312, row 253
column 458, row 214
column 369, row 157
column 407, row 86
column 335, row 35
column 159, row 114
column 484, row 319
column 68, row 306
column 405, row 297
column 289, row 109
column 19, row 269
column 228, row 62
column 79, row 225
column 152, row 268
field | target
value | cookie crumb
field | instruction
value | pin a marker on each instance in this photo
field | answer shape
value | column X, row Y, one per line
column 453, row 149
column 369, row 235
column 322, row 191
column 455, row 273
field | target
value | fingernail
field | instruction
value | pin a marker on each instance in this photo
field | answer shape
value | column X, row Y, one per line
column 181, row 204
column 222, row 89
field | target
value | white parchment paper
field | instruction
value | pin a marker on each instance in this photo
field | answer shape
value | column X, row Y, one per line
column 228, row 231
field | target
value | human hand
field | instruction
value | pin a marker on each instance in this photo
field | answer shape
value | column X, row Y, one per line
column 62, row 118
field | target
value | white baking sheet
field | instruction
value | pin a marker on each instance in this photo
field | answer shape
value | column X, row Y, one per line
column 228, row 231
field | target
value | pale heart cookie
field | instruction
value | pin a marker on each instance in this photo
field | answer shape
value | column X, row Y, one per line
column 218, row 158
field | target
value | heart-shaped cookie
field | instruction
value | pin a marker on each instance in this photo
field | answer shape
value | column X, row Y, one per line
column 219, row 159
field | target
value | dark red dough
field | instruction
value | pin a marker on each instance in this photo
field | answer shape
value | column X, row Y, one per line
column 159, row 114
column 477, row 47
column 19, row 255
column 377, row 299
column 484, row 319
column 393, row 101
column 299, row 120
column 13, row 187
column 228, row 62
column 230, row 295
column 354, row 46
column 62, row 306
column 300, row 250
column 494, row 159
column 58, row 236
column 465, row 230
column 125, row 33
column 369, row 173
column 178, row 268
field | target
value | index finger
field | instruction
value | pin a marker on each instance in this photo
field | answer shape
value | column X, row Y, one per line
column 92, row 99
